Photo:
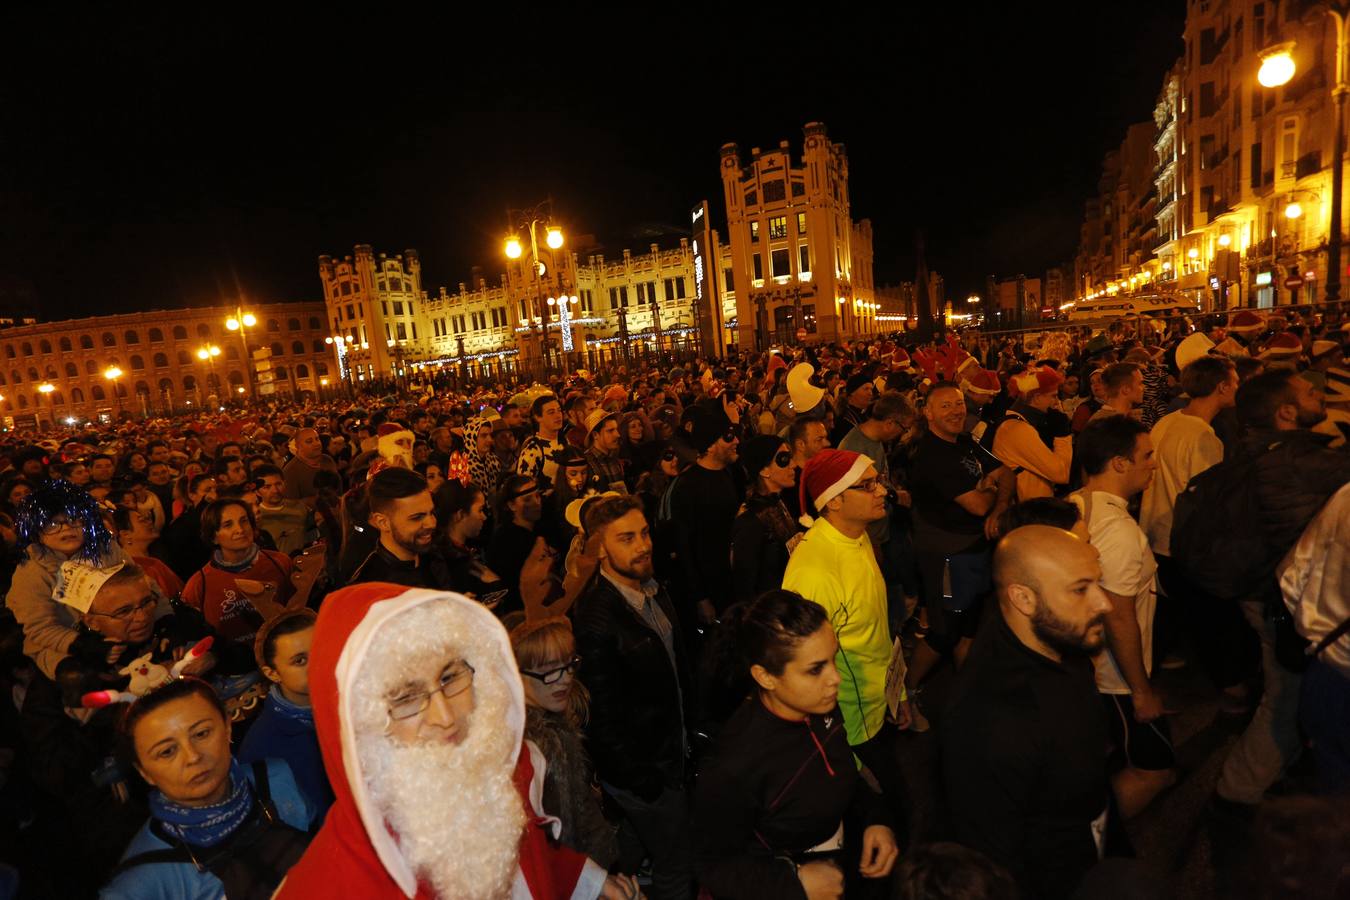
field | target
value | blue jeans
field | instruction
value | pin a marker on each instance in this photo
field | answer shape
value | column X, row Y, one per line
column 1324, row 713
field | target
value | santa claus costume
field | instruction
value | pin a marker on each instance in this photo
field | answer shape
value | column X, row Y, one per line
column 407, row 821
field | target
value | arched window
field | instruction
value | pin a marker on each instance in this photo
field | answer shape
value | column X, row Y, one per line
column 236, row 377
column 189, row 383
column 156, row 335
column 165, row 386
column 232, row 352
column 44, row 346
column 319, row 347
column 109, row 339
column 27, row 349
column 131, row 337
column 86, row 342
column 65, row 345
column 96, row 391
column 72, row 370
column 161, row 361
column 273, row 325
column 277, row 349
column 292, row 324
column 143, row 388
column 184, row 358
column 203, row 330
column 23, row 401
column 57, row 398
column 137, row 363
column 321, row 368
column 302, row 371
column 179, row 333
column 297, row 348
column 91, row 367
column 15, row 377
column 281, row 373
column 33, row 374
column 9, row 351
column 76, row 396
column 2, row 378
column 314, row 323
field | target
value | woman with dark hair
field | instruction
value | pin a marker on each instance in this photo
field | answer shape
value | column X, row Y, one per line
column 461, row 513
column 217, row 828
column 518, row 509
column 772, row 798
column 242, row 585
column 764, row 532
column 12, row 494
column 132, row 461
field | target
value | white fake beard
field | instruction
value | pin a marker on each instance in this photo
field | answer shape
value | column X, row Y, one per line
column 454, row 809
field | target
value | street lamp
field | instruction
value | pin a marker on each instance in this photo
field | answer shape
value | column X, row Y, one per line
column 1278, row 68
column 242, row 321
column 1293, row 211
column 514, row 249
column 46, row 389
column 112, row 373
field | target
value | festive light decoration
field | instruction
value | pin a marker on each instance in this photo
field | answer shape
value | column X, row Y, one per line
column 61, row 498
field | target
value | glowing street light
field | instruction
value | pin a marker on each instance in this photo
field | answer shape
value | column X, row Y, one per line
column 513, row 248
column 1224, row 240
column 1293, row 210
column 1192, row 253
column 239, row 322
column 1277, row 66
column 555, row 237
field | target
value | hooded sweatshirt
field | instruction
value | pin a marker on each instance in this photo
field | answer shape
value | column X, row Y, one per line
column 355, row 847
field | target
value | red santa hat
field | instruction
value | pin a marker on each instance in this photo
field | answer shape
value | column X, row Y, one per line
column 355, row 847
column 1037, row 380
column 1283, row 345
column 900, row 360
column 389, row 428
column 1246, row 322
column 827, row 475
column 981, row 382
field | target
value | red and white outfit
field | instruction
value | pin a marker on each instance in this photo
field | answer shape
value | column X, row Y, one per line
column 355, row 853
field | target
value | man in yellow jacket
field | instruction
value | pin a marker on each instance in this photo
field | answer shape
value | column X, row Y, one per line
column 1035, row 440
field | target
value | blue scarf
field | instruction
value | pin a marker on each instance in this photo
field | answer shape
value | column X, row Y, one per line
column 303, row 715
column 218, row 560
column 206, row 826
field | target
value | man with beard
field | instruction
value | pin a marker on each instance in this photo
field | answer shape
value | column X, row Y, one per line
column 634, row 663
column 1023, row 741
column 420, row 715
column 308, row 460
column 402, row 512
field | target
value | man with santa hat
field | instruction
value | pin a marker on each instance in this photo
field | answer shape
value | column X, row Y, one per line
column 420, row 714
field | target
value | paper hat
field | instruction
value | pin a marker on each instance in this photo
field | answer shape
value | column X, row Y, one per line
column 1322, row 348
column 78, row 583
column 1034, row 381
column 1192, row 348
column 804, row 395
column 596, row 417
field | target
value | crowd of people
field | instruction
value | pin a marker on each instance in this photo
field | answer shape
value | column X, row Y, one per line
column 666, row 631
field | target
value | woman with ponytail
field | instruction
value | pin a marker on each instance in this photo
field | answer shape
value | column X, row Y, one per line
column 772, row 797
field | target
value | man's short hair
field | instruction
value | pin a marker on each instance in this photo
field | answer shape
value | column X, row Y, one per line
column 797, row 430
column 391, row 484
column 128, row 573
column 1050, row 511
column 603, row 513
column 952, row 872
column 577, row 401
column 1260, row 397
column 1105, row 439
column 1118, row 376
column 1202, row 377
column 537, row 407
column 222, row 464
column 266, row 469
column 891, row 406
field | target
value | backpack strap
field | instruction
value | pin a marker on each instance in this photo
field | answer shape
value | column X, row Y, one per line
column 1332, row 637
column 176, row 854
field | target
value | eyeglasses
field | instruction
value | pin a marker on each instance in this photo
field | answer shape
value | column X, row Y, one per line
column 668, row 456
column 868, row 485
column 60, row 522
column 782, row 459
column 453, row 683
column 553, row 676
column 127, row 613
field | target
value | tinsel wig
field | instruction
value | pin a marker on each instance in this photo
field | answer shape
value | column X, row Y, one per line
column 61, row 498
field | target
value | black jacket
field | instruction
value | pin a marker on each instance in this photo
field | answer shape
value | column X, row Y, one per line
column 771, row 790
column 639, row 703
column 1297, row 473
column 426, row 571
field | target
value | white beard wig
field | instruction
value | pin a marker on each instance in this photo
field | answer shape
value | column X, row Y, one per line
column 394, row 454
column 454, row 809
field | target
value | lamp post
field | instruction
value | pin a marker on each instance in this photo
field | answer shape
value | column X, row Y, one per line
column 1277, row 68
column 529, row 220
column 46, row 389
column 207, row 353
column 242, row 321
column 341, row 344
column 112, row 373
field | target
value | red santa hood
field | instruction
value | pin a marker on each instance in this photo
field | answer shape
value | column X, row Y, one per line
column 355, row 848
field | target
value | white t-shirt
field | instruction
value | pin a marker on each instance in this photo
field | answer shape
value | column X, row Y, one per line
column 1129, row 570
column 1184, row 446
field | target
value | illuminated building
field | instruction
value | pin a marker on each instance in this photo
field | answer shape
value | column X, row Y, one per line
column 798, row 261
column 378, row 305
column 156, row 353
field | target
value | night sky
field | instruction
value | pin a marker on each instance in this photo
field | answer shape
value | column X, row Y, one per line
column 187, row 161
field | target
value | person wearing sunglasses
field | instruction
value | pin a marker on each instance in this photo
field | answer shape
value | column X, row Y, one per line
column 421, row 716
column 556, row 706
column 764, row 532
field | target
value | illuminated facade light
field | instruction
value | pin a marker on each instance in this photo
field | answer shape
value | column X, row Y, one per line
column 1293, row 210
column 1277, row 66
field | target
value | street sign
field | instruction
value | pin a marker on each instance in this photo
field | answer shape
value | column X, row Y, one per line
column 1294, row 281
column 801, row 334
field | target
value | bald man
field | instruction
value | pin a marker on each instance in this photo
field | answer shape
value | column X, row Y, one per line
column 1023, row 741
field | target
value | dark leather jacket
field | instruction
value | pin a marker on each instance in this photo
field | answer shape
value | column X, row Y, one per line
column 1298, row 472
column 639, row 704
